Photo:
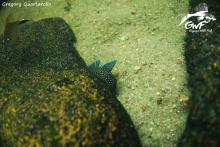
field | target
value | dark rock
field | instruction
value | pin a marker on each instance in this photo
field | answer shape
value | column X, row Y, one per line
column 48, row 96
column 202, row 51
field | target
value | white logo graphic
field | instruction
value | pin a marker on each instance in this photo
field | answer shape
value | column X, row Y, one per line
column 203, row 18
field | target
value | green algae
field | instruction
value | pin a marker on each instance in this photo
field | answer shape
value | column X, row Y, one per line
column 48, row 97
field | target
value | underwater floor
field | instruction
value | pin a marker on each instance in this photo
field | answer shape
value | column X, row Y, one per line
column 145, row 39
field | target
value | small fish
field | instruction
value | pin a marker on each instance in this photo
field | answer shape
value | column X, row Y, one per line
column 104, row 72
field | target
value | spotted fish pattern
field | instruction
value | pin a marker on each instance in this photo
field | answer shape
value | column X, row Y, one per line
column 104, row 72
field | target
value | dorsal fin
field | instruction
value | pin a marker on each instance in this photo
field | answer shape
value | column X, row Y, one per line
column 94, row 65
column 109, row 66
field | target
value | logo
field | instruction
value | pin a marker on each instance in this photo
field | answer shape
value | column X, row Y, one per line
column 196, row 22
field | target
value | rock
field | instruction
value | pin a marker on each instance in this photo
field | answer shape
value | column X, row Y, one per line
column 184, row 99
column 137, row 69
column 48, row 97
column 133, row 12
column 203, row 123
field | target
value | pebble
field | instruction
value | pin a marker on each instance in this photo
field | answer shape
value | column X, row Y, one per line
column 183, row 98
column 179, row 61
column 137, row 68
column 159, row 100
column 133, row 12
column 144, row 63
column 123, row 38
column 174, row 106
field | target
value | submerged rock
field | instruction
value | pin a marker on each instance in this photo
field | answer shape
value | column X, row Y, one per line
column 49, row 98
column 202, row 51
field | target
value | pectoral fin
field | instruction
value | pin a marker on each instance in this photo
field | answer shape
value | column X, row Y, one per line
column 94, row 65
column 109, row 66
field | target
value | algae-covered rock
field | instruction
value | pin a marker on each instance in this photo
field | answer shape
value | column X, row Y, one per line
column 48, row 97
column 202, row 52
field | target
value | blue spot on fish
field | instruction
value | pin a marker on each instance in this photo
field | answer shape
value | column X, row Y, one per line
column 104, row 72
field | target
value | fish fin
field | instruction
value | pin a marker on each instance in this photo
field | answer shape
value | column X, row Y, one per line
column 94, row 65
column 109, row 66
